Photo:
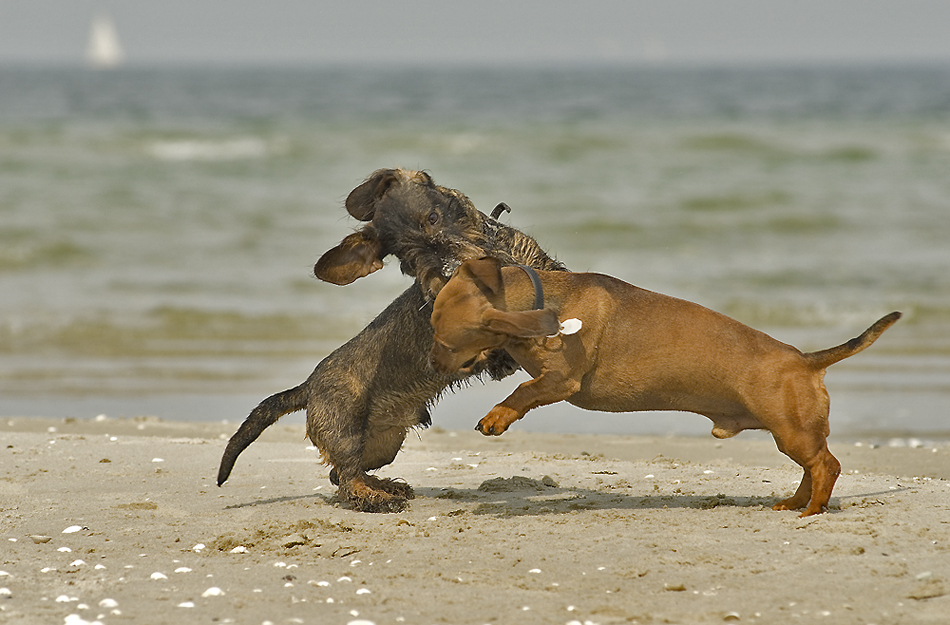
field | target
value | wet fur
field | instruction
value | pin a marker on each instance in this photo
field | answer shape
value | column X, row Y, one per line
column 364, row 397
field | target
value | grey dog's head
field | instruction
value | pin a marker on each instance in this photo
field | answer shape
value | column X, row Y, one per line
column 430, row 229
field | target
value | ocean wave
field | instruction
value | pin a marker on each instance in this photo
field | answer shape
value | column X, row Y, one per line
column 240, row 148
column 17, row 256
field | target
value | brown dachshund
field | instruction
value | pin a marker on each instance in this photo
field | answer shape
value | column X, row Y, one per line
column 623, row 349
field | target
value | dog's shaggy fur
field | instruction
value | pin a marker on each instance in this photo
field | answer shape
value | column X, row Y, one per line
column 363, row 398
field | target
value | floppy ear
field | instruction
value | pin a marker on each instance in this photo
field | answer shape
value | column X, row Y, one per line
column 356, row 256
column 484, row 272
column 361, row 202
column 526, row 324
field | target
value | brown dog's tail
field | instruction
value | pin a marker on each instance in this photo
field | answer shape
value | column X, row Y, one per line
column 827, row 357
column 265, row 415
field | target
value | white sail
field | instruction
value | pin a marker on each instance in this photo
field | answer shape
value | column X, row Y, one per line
column 103, row 50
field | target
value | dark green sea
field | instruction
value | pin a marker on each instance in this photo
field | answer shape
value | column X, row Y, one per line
column 158, row 226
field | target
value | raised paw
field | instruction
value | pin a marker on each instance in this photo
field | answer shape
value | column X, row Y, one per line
column 497, row 421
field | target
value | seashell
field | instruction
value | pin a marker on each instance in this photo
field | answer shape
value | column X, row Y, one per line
column 571, row 326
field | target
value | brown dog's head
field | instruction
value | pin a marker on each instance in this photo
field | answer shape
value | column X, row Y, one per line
column 430, row 229
column 468, row 323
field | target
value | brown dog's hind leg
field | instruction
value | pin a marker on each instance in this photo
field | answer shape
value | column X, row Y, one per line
column 821, row 470
column 824, row 473
column 801, row 497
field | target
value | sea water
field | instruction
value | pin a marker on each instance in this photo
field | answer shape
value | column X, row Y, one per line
column 158, row 226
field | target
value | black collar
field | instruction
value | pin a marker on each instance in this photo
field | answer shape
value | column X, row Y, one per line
column 538, row 289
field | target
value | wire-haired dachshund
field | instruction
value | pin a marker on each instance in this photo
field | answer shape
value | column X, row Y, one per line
column 364, row 397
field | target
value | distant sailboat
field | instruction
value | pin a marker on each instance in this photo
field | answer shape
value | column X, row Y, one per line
column 103, row 50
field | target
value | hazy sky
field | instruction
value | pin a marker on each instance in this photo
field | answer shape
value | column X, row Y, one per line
column 482, row 31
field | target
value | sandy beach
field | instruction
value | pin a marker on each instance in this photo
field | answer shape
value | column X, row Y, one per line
column 119, row 520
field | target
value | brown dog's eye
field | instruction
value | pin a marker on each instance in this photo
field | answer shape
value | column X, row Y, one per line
column 433, row 218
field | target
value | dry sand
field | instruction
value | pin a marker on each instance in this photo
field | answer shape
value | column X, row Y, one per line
column 526, row 528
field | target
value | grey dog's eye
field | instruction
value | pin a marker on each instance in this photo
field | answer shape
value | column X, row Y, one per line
column 433, row 218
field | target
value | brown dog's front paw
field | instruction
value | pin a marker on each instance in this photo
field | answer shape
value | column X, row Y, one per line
column 497, row 421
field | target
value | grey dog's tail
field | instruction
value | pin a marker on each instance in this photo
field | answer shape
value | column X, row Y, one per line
column 827, row 357
column 265, row 415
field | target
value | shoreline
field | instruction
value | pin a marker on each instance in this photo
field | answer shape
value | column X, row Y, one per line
column 525, row 527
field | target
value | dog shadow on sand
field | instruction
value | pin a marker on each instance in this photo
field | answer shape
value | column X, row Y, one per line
column 524, row 496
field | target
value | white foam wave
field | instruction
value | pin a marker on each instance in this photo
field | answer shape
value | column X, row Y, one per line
column 213, row 150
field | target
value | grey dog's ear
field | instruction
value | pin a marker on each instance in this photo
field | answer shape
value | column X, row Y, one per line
column 522, row 324
column 355, row 257
column 361, row 202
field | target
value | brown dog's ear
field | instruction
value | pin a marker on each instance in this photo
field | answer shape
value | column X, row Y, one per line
column 361, row 202
column 484, row 272
column 356, row 256
column 526, row 324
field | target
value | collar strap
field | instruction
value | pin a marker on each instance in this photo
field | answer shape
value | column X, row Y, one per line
column 536, row 282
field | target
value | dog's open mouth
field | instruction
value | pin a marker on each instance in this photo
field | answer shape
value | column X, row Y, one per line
column 468, row 364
